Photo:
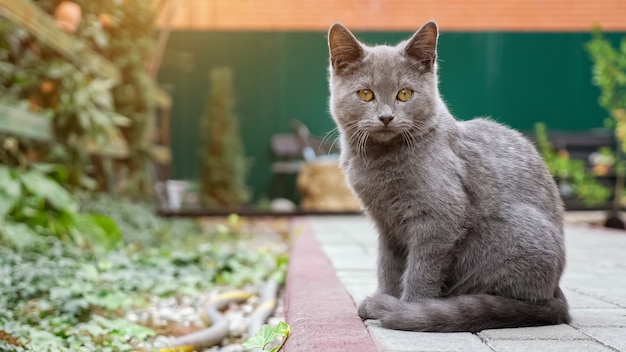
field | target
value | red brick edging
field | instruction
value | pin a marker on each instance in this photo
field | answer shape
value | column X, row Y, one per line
column 318, row 308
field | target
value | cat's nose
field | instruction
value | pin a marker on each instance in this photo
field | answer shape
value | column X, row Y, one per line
column 386, row 119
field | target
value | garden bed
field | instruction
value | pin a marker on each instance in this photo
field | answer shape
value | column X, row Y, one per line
column 148, row 291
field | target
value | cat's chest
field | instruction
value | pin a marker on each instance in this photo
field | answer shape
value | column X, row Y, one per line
column 382, row 184
column 402, row 187
column 390, row 181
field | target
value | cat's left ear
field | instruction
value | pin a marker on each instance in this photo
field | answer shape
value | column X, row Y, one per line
column 422, row 47
column 344, row 48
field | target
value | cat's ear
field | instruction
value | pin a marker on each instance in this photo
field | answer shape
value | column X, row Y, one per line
column 422, row 47
column 344, row 48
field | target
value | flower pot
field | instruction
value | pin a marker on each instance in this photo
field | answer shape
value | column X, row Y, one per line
column 175, row 193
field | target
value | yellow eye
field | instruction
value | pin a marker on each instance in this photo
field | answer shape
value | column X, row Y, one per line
column 404, row 94
column 366, row 94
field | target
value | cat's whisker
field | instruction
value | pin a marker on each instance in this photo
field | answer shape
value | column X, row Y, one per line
column 332, row 145
column 351, row 127
column 327, row 137
column 357, row 140
column 363, row 141
column 354, row 138
column 408, row 139
column 328, row 134
column 412, row 140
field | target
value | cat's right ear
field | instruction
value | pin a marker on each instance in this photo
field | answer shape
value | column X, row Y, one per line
column 422, row 47
column 344, row 48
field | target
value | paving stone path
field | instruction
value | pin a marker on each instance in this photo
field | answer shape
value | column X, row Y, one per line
column 594, row 283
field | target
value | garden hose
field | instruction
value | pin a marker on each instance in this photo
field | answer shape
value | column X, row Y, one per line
column 267, row 306
column 224, row 298
column 187, row 348
column 207, row 337
column 218, row 328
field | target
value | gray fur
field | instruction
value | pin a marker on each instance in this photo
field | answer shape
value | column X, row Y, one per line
column 470, row 221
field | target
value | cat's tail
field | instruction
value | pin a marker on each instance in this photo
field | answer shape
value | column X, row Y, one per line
column 470, row 313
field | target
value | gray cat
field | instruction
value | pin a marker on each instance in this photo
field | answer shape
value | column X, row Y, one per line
column 470, row 221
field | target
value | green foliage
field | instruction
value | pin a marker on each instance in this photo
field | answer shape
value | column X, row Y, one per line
column 56, row 297
column 128, row 43
column 609, row 74
column 33, row 204
column 267, row 335
column 136, row 219
column 49, row 292
column 223, row 163
column 572, row 172
column 86, row 109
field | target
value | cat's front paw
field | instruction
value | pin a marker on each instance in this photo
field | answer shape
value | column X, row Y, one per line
column 363, row 309
column 373, row 307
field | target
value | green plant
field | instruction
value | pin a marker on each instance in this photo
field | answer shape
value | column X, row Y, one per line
column 267, row 335
column 128, row 42
column 223, row 163
column 86, row 110
column 569, row 171
column 609, row 74
column 137, row 220
column 32, row 204
column 57, row 297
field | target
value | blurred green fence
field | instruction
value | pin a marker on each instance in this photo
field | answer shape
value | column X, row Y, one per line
column 516, row 78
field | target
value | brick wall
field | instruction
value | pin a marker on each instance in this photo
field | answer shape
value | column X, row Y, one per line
column 402, row 15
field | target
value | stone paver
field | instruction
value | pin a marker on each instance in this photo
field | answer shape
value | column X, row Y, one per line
column 582, row 300
column 614, row 337
column 547, row 346
column 594, row 283
column 598, row 317
column 554, row 332
column 396, row 341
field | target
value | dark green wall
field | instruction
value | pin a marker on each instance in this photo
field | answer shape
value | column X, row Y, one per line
column 516, row 78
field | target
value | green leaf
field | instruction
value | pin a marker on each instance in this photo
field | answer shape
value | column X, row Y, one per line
column 8, row 183
column 282, row 329
column 88, row 182
column 21, row 236
column 55, row 171
column 110, row 300
column 44, row 187
column 58, row 69
column 261, row 339
column 97, row 229
column 102, row 99
column 6, row 204
column 10, row 191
